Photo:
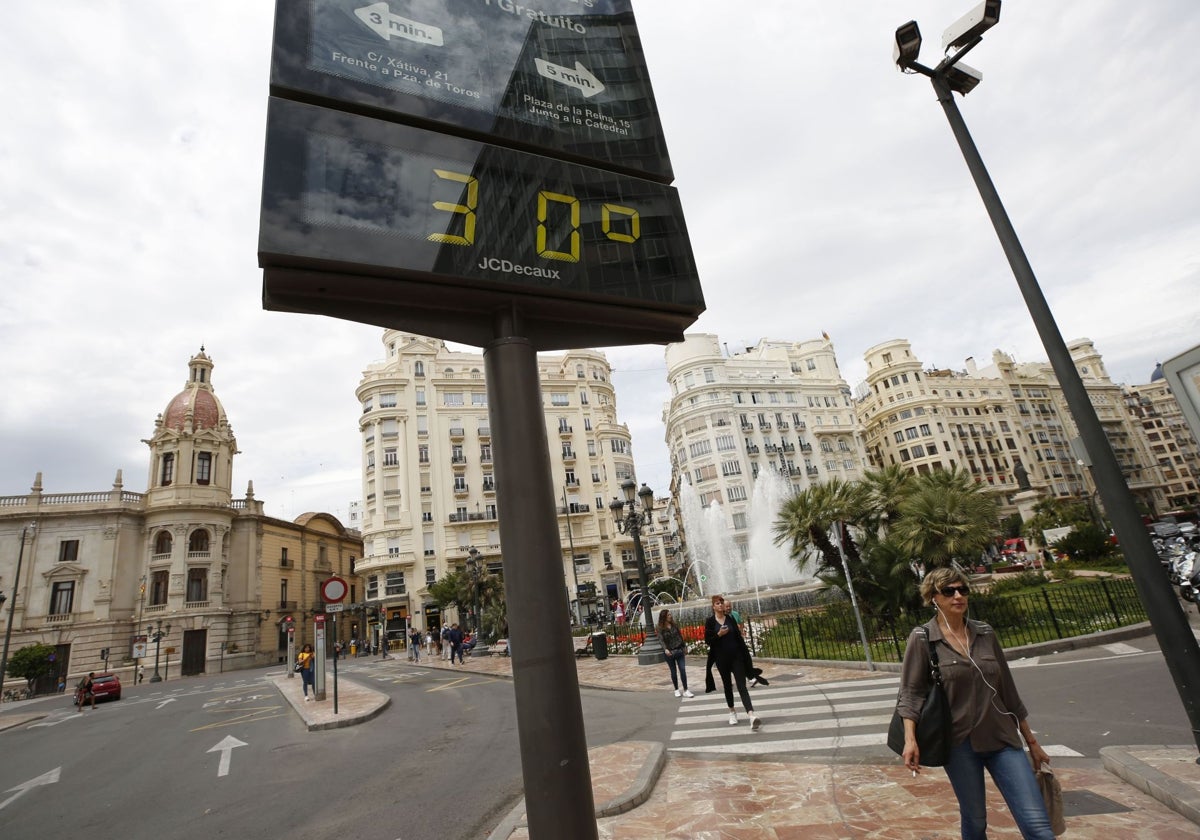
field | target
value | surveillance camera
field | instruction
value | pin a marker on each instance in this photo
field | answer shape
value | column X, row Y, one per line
column 971, row 25
column 962, row 78
column 908, row 45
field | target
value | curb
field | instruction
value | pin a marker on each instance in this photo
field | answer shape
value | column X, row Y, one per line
column 1179, row 797
column 637, row 793
column 376, row 705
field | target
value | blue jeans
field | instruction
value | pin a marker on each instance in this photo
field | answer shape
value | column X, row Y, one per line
column 306, row 677
column 678, row 662
column 1013, row 774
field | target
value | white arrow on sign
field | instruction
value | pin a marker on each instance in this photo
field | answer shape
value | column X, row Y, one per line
column 580, row 78
column 45, row 779
column 225, row 747
column 380, row 20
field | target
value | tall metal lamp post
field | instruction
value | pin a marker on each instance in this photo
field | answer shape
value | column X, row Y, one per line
column 473, row 568
column 630, row 520
column 156, row 632
column 12, row 608
column 1179, row 646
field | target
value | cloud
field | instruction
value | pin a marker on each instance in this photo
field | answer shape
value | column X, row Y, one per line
column 823, row 192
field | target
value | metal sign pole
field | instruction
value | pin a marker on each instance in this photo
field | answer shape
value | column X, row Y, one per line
column 554, row 759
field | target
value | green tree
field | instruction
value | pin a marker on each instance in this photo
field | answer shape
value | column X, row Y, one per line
column 945, row 517
column 807, row 518
column 31, row 662
column 885, row 490
column 1087, row 544
column 1055, row 513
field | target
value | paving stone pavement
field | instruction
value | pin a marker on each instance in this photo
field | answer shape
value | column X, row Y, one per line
column 642, row 792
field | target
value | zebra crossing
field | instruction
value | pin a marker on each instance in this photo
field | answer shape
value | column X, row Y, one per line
column 850, row 716
column 848, row 719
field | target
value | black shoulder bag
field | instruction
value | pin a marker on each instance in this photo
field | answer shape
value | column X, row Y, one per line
column 933, row 729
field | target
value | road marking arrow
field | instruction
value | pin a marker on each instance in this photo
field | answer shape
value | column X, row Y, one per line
column 225, row 747
column 382, row 22
column 580, row 78
column 165, row 702
column 45, row 779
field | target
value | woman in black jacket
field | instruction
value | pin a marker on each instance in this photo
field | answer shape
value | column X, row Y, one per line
column 728, row 651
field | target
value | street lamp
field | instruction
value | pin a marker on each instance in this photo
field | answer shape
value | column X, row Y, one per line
column 631, row 522
column 473, row 566
column 1180, row 648
column 13, row 606
column 156, row 632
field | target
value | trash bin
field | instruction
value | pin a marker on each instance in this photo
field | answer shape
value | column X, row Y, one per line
column 600, row 644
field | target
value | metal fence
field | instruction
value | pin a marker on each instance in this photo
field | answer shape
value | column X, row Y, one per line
column 831, row 632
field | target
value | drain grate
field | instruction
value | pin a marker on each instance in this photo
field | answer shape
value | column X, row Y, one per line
column 1081, row 803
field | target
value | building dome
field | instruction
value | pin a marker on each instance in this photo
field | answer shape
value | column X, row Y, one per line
column 1158, row 373
column 196, row 400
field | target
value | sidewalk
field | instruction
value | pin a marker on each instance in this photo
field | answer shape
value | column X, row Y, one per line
column 642, row 792
column 695, row 798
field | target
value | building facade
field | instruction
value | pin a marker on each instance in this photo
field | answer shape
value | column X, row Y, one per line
column 102, row 570
column 1172, row 444
column 1006, row 424
column 778, row 407
column 429, row 487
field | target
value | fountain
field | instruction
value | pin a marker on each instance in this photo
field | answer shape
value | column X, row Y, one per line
column 716, row 564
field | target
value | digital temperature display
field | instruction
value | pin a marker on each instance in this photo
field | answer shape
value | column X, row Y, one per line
column 346, row 194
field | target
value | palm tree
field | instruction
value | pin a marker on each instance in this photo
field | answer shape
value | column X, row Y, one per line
column 805, row 520
column 885, row 489
column 946, row 516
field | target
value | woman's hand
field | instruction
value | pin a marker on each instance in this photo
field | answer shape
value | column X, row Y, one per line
column 911, row 755
column 1038, row 755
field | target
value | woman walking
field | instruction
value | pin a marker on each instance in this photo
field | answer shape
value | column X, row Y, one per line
column 728, row 651
column 304, row 660
column 675, row 651
column 988, row 718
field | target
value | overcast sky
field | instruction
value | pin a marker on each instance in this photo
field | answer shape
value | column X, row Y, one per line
column 822, row 188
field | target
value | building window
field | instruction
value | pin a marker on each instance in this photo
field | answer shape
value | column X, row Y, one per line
column 62, row 595
column 68, row 551
column 163, row 542
column 373, row 587
column 395, row 584
column 418, row 368
column 430, row 577
column 198, row 541
column 560, row 398
column 204, row 468
column 197, row 585
column 158, row 587
column 168, row 469
column 387, row 400
column 452, row 398
column 390, row 458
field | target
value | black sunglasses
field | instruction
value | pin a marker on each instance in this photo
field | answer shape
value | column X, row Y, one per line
column 949, row 591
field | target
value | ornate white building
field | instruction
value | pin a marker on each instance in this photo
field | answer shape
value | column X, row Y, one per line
column 778, row 406
column 429, row 490
column 99, row 568
column 990, row 420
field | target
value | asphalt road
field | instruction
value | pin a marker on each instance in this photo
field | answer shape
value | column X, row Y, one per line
column 224, row 756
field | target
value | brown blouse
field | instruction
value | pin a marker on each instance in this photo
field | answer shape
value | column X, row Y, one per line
column 977, row 710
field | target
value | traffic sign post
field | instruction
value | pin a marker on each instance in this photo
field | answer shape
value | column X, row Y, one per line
column 319, row 657
column 289, row 624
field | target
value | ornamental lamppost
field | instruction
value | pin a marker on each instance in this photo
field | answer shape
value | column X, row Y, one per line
column 630, row 520
column 13, row 606
column 156, row 632
column 474, row 562
column 1179, row 646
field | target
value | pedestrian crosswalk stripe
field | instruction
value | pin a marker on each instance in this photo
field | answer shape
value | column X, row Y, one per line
column 784, row 697
column 822, row 723
column 753, row 746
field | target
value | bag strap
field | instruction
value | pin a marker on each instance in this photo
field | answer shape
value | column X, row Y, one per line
column 934, row 667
